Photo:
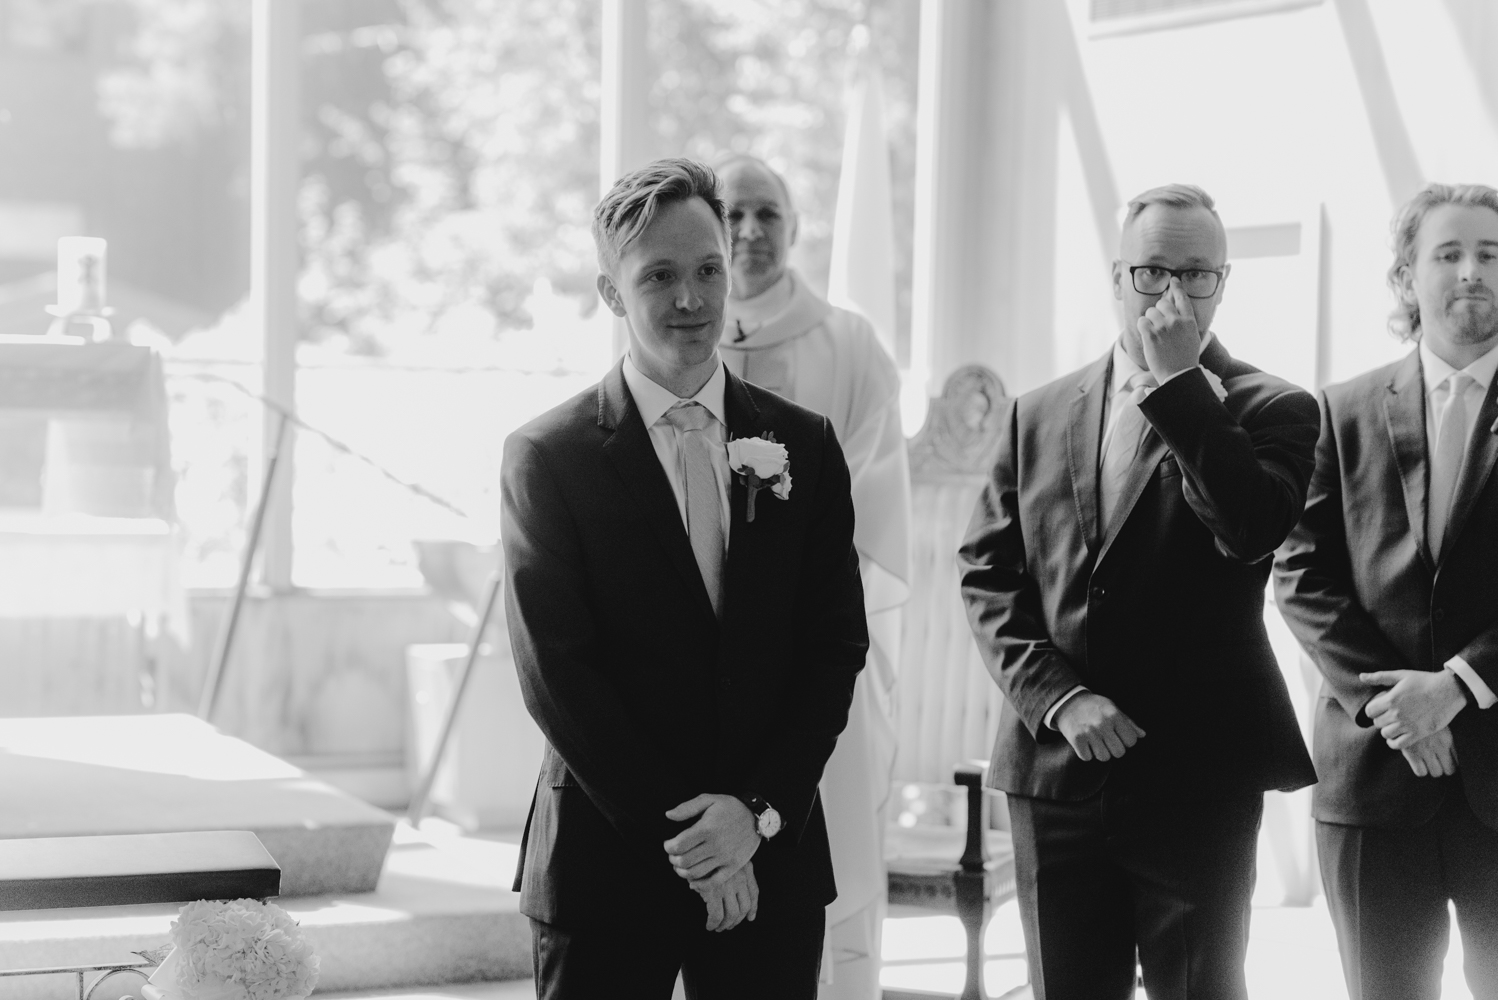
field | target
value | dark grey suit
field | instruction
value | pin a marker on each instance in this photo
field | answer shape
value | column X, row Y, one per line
column 1359, row 587
column 1163, row 614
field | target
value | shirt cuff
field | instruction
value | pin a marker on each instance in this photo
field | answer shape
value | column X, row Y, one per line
column 1050, row 715
column 1473, row 680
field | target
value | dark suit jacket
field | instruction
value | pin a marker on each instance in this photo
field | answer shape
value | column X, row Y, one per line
column 1360, row 589
column 1164, row 614
column 644, row 697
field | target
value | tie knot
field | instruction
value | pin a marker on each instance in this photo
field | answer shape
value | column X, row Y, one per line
column 688, row 416
column 1457, row 383
column 1139, row 385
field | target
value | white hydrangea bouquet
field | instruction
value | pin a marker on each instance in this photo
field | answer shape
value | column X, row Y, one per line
column 239, row 949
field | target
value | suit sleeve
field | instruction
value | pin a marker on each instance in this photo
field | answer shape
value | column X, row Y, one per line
column 832, row 639
column 1003, row 599
column 1314, row 589
column 1481, row 654
column 556, row 644
column 1246, row 483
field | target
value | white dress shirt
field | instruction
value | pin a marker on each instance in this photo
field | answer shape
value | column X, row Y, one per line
column 1124, row 369
column 653, row 400
column 1437, row 374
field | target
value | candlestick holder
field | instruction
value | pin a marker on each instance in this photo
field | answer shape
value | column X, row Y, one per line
column 80, row 289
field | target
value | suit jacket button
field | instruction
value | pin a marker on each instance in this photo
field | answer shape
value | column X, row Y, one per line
column 725, row 683
column 1099, row 592
column 1439, row 615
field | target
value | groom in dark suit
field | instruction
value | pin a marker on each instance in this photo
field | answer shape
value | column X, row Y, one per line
column 1390, row 581
column 688, row 624
column 1114, row 575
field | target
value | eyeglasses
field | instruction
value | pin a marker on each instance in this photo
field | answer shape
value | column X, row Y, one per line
column 1198, row 283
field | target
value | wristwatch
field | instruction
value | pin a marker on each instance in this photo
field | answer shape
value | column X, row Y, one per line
column 766, row 819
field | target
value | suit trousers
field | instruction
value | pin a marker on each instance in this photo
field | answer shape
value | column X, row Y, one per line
column 1388, row 890
column 1119, row 875
column 778, row 954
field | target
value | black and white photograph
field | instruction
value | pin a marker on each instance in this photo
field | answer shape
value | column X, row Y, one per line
column 748, row 499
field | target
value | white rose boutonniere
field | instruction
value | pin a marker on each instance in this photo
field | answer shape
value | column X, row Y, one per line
column 1216, row 384
column 760, row 463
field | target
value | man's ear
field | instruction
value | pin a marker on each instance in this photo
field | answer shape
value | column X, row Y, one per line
column 1118, row 275
column 1222, row 282
column 795, row 229
column 610, row 295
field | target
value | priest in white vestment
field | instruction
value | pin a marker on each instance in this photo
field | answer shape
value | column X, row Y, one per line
column 781, row 335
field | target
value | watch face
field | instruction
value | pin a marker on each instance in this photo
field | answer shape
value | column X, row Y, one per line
column 769, row 823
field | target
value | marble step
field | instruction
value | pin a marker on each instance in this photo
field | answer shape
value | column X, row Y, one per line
column 516, row 989
column 174, row 773
column 443, row 914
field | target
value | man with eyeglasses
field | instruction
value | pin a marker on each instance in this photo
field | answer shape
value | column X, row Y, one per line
column 1114, row 575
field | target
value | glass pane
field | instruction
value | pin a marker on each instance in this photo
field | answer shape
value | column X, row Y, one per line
column 129, row 124
column 447, row 284
column 771, row 79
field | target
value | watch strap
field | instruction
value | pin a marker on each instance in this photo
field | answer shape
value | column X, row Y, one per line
column 756, row 803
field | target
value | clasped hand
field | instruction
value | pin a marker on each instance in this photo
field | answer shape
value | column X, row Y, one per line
column 1095, row 727
column 1416, row 704
column 1168, row 333
column 1434, row 756
column 714, row 853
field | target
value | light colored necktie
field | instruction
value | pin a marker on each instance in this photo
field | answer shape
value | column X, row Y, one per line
column 1446, row 460
column 704, row 497
column 1123, row 443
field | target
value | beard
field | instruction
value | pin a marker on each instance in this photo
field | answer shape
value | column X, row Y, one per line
column 1472, row 321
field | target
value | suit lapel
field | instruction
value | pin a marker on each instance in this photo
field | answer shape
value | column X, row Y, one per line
column 1216, row 359
column 629, row 448
column 1482, row 453
column 1151, row 451
column 1084, row 434
column 1404, row 413
column 744, row 420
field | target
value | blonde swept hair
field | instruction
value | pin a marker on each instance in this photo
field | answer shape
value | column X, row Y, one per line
column 632, row 203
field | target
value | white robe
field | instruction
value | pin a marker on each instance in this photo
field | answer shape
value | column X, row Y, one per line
column 791, row 341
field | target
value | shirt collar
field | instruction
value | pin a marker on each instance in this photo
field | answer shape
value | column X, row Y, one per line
column 1436, row 371
column 653, row 399
column 1124, row 367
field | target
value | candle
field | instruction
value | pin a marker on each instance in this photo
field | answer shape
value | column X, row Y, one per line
column 80, row 275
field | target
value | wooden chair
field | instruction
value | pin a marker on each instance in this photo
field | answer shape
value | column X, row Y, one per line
column 946, row 704
column 968, row 885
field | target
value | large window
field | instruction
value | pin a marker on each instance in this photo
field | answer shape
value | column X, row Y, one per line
column 450, row 166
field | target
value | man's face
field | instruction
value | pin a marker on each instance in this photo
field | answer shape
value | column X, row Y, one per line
column 1455, row 275
column 1168, row 237
column 672, row 283
column 763, row 225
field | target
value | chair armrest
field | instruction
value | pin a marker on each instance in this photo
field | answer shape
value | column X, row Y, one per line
column 970, row 774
